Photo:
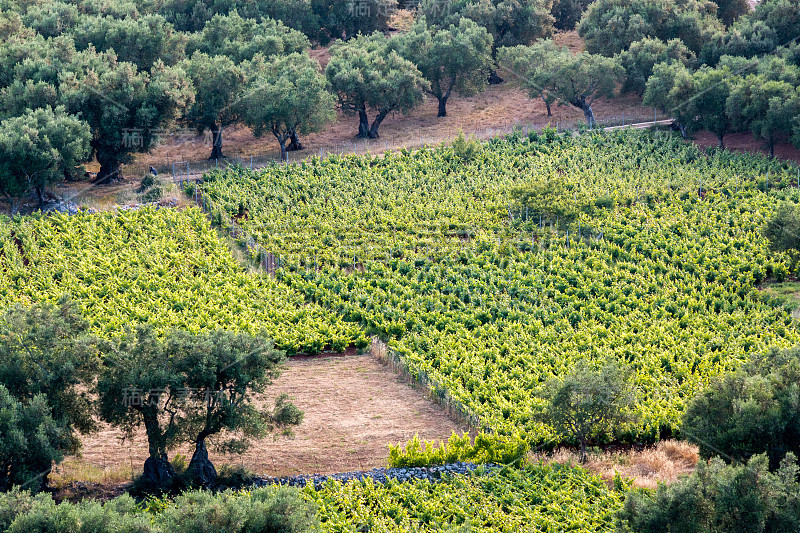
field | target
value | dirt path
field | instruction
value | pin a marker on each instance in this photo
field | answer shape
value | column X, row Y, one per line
column 354, row 407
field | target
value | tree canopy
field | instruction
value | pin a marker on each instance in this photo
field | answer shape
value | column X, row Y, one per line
column 39, row 148
column 367, row 73
column 457, row 58
column 640, row 58
column 609, row 27
column 218, row 83
column 287, row 96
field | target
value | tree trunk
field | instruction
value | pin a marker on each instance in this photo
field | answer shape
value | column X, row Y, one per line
column 547, row 104
column 158, row 471
column 363, row 123
column 589, row 114
column 282, row 137
column 216, row 142
column 109, row 170
column 720, row 142
column 771, row 147
column 373, row 130
column 201, row 469
column 294, row 142
column 40, row 195
column 682, row 127
column 494, row 79
column 442, row 106
column 583, row 451
column 14, row 203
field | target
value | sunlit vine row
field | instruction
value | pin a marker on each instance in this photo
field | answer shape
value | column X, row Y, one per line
column 163, row 266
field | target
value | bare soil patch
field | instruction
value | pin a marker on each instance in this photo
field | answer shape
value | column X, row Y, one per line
column 745, row 142
column 354, row 408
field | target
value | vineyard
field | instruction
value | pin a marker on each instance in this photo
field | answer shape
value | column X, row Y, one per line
column 484, row 299
column 163, row 266
column 536, row 499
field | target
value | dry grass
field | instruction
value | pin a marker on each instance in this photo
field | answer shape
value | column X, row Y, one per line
column 401, row 20
column 663, row 463
column 76, row 470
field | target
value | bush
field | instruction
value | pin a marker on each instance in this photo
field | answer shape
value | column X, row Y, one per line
column 265, row 509
column 753, row 411
column 466, row 149
column 278, row 509
column 719, row 498
column 783, row 229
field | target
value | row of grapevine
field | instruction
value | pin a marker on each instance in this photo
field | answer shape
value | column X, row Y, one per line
column 541, row 498
column 164, row 266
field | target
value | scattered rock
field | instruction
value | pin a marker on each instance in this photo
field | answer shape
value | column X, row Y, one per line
column 168, row 203
column 378, row 475
column 60, row 205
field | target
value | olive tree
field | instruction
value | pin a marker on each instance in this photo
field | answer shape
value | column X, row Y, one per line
column 587, row 403
column 534, row 68
column 218, row 84
column 366, row 72
column 752, row 411
column 187, row 388
column 288, row 96
column 39, row 148
column 141, row 40
column 572, row 79
column 243, row 38
column 609, row 27
column 125, row 108
column 457, row 58
column 670, row 89
column 768, row 108
column 47, row 360
column 640, row 58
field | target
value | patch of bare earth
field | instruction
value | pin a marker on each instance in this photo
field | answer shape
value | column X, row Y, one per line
column 663, row 463
column 354, row 408
column 745, row 142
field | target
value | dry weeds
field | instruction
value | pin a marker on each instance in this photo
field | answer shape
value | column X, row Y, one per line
column 663, row 463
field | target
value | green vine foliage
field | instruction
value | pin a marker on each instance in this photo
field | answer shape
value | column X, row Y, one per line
column 161, row 266
column 486, row 448
column 489, row 299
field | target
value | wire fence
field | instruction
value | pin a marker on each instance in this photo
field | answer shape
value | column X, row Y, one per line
column 183, row 170
column 266, row 260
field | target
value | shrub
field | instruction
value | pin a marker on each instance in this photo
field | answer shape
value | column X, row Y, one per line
column 783, row 229
column 719, row 498
column 279, row 509
column 753, row 411
column 265, row 509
